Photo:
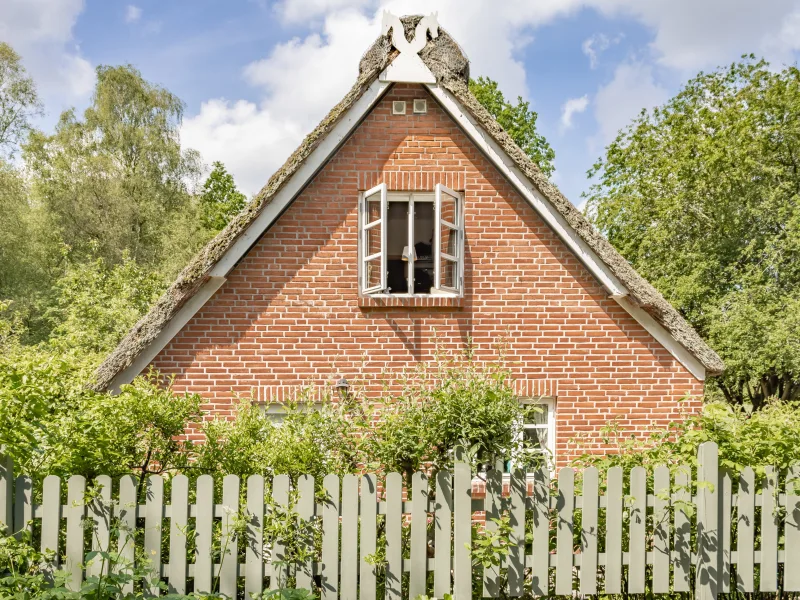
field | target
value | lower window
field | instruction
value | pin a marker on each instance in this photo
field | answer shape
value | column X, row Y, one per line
column 537, row 434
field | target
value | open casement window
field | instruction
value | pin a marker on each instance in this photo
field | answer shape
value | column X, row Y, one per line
column 374, row 207
column 448, row 246
column 411, row 243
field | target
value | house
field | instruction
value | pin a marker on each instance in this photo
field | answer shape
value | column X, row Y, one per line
column 408, row 219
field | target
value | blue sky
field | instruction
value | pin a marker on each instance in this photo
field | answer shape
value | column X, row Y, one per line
column 257, row 75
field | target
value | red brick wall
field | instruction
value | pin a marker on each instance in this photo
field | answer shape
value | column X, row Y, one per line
column 290, row 312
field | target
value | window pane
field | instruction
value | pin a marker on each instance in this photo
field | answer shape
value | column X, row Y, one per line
column 372, row 242
column 538, row 415
column 449, row 273
column 373, row 208
column 448, row 240
column 535, row 437
column 449, row 208
column 372, row 275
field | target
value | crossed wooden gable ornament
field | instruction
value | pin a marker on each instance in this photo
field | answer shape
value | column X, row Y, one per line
column 408, row 66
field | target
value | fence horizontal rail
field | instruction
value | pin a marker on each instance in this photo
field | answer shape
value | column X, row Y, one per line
column 359, row 537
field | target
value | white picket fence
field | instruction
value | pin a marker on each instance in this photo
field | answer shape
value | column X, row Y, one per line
column 638, row 535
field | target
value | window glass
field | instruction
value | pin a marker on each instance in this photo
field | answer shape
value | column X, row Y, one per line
column 536, row 434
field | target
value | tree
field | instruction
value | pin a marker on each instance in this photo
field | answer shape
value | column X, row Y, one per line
column 702, row 196
column 96, row 304
column 518, row 121
column 220, row 200
column 19, row 102
column 116, row 180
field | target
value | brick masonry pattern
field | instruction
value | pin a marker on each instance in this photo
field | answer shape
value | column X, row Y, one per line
column 290, row 313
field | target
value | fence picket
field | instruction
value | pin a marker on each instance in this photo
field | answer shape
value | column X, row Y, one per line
column 126, row 519
column 745, row 531
column 589, row 514
column 726, row 492
column 204, row 528
column 491, row 506
column 681, row 556
column 23, row 500
column 709, row 563
column 462, row 531
column 516, row 552
column 178, row 527
column 443, row 531
column 51, row 521
column 6, row 494
column 305, row 512
column 254, row 550
column 279, row 577
column 100, row 509
column 791, row 567
column 540, row 569
column 369, row 534
column 419, row 536
column 565, row 530
column 349, row 556
column 768, row 573
column 613, row 584
column 154, row 509
column 637, row 523
column 394, row 535
column 229, row 547
column 329, row 575
column 661, row 527
column 76, row 511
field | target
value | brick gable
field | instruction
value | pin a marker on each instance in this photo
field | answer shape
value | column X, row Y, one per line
column 290, row 312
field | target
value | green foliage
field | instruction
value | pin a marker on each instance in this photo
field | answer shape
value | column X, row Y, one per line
column 220, row 200
column 29, row 253
column 701, row 195
column 115, row 181
column 19, row 102
column 770, row 436
column 454, row 406
column 51, row 423
column 313, row 440
column 97, row 303
column 519, row 121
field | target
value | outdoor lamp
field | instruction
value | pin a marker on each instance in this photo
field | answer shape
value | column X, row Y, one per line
column 343, row 387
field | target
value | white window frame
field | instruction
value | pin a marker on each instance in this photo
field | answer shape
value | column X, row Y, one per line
column 549, row 426
column 435, row 198
column 363, row 227
column 458, row 230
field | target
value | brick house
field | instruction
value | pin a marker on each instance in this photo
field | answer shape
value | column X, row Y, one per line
column 408, row 219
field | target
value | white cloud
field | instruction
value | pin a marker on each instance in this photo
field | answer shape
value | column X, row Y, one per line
column 690, row 35
column 618, row 102
column 299, row 11
column 596, row 44
column 132, row 13
column 593, row 45
column 248, row 139
column 41, row 32
column 572, row 107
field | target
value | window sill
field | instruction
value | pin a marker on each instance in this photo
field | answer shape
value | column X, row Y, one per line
column 387, row 301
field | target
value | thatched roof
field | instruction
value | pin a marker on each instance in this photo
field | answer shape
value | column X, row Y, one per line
column 450, row 66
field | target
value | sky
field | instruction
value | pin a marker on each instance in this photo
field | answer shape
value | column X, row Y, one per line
column 258, row 75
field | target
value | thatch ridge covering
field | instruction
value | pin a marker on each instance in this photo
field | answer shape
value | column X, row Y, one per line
column 450, row 66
